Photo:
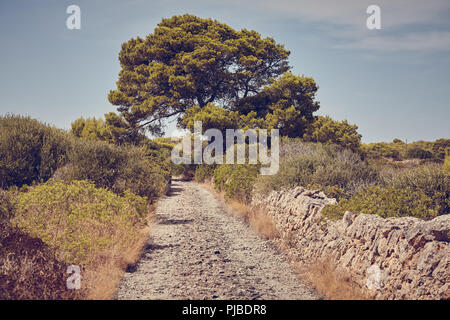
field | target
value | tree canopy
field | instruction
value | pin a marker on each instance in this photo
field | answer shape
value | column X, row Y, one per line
column 326, row 130
column 191, row 67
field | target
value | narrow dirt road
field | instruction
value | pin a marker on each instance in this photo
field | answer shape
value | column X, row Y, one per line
column 198, row 251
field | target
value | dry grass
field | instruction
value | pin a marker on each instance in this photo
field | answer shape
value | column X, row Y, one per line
column 29, row 269
column 329, row 281
column 256, row 218
column 32, row 272
column 102, row 280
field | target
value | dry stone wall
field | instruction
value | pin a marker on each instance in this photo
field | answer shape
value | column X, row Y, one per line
column 393, row 258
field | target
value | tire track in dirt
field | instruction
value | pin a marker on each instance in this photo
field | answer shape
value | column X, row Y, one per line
column 198, row 251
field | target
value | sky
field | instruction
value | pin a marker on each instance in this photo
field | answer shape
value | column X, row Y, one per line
column 393, row 82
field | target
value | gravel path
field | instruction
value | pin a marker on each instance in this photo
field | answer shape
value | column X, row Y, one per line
column 198, row 251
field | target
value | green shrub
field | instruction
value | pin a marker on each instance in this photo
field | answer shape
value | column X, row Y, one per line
column 430, row 179
column 318, row 166
column 118, row 168
column 78, row 219
column 386, row 202
column 204, row 172
column 418, row 153
column 236, row 180
column 29, row 150
column 160, row 153
column 141, row 176
column 96, row 161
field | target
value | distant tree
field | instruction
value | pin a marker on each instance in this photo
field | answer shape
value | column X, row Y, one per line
column 113, row 130
column 90, row 129
column 201, row 65
column 447, row 163
column 326, row 130
column 440, row 147
column 418, row 153
column 381, row 149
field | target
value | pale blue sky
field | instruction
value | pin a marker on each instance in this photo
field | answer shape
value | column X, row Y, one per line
column 393, row 83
